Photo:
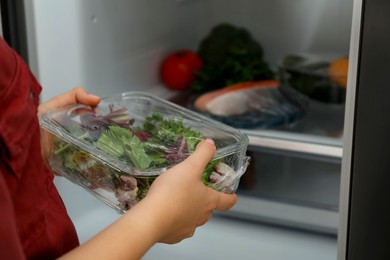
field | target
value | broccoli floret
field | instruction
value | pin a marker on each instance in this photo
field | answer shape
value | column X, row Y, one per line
column 230, row 55
column 223, row 40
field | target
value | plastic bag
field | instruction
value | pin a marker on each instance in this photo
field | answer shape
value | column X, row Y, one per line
column 257, row 106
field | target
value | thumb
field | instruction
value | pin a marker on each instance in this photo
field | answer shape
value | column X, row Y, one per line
column 83, row 97
column 204, row 152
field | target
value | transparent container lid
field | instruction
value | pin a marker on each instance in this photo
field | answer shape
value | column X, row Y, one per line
column 166, row 133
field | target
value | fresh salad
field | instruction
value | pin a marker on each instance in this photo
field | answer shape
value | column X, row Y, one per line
column 156, row 143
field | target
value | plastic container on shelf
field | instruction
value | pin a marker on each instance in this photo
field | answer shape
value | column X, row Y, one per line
column 117, row 149
column 320, row 77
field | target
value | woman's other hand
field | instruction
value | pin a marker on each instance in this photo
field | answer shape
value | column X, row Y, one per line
column 76, row 95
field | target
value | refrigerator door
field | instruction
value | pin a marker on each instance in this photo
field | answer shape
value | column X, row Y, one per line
column 12, row 25
column 365, row 201
column 1, row 24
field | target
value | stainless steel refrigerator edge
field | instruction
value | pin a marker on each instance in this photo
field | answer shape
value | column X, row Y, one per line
column 348, row 130
column 365, row 202
column 1, row 25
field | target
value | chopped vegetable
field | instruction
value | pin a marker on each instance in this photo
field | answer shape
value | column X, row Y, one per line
column 222, row 175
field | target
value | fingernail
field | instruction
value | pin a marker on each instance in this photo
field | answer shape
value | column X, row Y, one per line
column 210, row 141
column 93, row 96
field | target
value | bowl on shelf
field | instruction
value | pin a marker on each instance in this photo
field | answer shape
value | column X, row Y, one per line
column 117, row 149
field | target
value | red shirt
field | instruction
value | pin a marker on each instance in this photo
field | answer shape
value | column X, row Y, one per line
column 34, row 223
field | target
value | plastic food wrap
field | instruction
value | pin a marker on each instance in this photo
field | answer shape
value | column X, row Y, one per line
column 116, row 150
column 321, row 77
column 259, row 104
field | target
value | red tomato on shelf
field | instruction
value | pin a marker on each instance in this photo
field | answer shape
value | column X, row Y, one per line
column 177, row 69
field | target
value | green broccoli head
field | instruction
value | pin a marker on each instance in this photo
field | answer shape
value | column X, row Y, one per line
column 225, row 39
column 230, row 55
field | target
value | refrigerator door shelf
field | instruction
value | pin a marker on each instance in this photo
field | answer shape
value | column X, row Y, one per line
column 267, row 211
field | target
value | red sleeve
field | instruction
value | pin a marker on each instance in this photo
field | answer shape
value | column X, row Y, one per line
column 10, row 246
column 33, row 215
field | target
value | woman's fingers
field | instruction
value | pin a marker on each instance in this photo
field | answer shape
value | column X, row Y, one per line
column 225, row 201
column 76, row 95
column 79, row 95
column 202, row 155
column 204, row 152
column 205, row 219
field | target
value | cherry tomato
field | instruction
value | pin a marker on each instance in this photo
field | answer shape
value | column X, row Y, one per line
column 177, row 69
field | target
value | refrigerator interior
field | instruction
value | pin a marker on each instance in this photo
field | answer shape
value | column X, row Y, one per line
column 118, row 46
column 114, row 46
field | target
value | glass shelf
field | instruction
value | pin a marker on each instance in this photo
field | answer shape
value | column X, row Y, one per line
column 319, row 132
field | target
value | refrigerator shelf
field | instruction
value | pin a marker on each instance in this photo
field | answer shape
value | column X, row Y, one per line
column 298, row 146
column 319, row 132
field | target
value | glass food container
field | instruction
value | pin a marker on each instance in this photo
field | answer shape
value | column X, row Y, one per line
column 117, row 149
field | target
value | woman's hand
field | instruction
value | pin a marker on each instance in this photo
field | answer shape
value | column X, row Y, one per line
column 177, row 203
column 179, row 200
column 76, row 95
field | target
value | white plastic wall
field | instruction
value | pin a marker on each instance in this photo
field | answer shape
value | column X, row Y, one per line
column 287, row 26
column 105, row 46
column 111, row 46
